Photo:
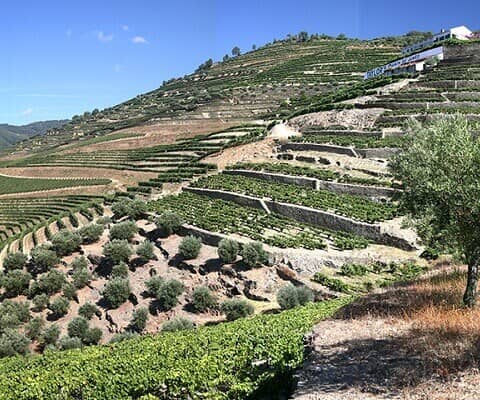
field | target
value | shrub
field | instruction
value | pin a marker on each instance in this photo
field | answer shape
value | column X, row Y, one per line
column 254, row 255
column 92, row 336
column 15, row 282
column 69, row 291
column 145, row 251
column 78, row 327
column 79, row 263
column 290, row 296
column 120, row 337
column 87, row 310
column 153, row 284
column 91, row 233
column 228, row 250
column 134, row 209
column 203, row 299
column 13, row 313
column 40, row 301
column 234, row 309
column 177, row 324
column 332, row 283
column 59, row 307
column 168, row 292
column 169, row 222
column 123, row 231
column 118, row 251
column 66, row 242
column 12, row 342
column 120, row 270
column 44, row 258
column 50, row 335
column 81, row 278
column 49, row 283
column 190, row 247
column 139, row 319
column 68, row 343
column 13, row 261
column 116, row 292
column 34, row 328
column 353, row 270
column 104, row 220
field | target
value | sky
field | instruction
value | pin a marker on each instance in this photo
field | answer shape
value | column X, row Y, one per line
column 61, row 58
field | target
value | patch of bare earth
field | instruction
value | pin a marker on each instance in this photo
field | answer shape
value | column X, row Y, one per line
column 412, row 341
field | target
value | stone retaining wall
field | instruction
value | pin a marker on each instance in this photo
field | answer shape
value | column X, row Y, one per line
column 327, row 148
column 279, row 178
column 380, row 152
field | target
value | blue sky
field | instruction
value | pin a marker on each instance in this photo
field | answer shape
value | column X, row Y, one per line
column 60, row 58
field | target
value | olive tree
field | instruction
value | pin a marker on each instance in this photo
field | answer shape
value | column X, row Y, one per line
column 440, row 171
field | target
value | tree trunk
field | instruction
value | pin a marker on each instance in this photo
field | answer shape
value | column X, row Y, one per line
column 470, row 296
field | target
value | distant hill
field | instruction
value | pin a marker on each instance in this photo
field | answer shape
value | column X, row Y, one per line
column 11, row 134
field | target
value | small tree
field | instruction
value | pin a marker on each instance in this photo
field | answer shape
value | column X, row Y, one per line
column 44, row 258
column 93, row 336
column 228, row 250
column 40, row 301
column 153, row 284
column 50, row 283
column 81, row 278
column 254, row 255
column 79, row 263
column 68, row 343
column 440, row 168
column 118, row 251
column 234, row 309
column 69, row 291
column 123, row 231
column 177, row 324
column 120, row 271
column 190, row 247
column 66, row 242
column 34, row 328
column 59, row 307
column 145, row 251
column 139, row 319
column 13, row 261
column 87, row 310
column 168, row 292
column 116, row 292
column 290, row 296
column 133, row 209
column 169, row 222
column 16, row 282
column 91, row 233
column 50, row 335
column 236, row 51
column 78, row 327
column 12, row 342
column 203, row 299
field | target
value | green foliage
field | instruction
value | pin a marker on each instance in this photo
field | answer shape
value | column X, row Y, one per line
column 49, row 283
column 15, row 282
column 168, row 292
column 290, row 296
column 81, row 277
column 353, row 269
column 120, row 337
column 91, row 233
column 12, row 343
column 116, row 292
column 13, row 314
column 235, row 309
column 87, row 310
column 169, row 222
column 40, row 301
column 79, row 263
column 92, row 336
column 123, row 231
column 68, row 343
column 44, row 258
column 203, row 299
column 332, row 283
column 50, row 335
column 120, row 271
column 131, row 208
column 145, row 251
column 69, row 291
column 59, row 307
column 189, row 247
column 78, row 327
column 178, row 324
column 153, row 284
column 253, row 255
column 65, row 242
column 16, row 260
column 228, row 250
column 139, row 319
column 118, row 251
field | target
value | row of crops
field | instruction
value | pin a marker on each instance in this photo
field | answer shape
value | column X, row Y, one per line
column 227, row 361
column 228, row 218
column 9, row 184
column 355, row 207
column 361, row 142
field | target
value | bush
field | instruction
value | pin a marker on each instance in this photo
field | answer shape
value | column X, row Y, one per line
column 133, row 209
column 168, row 292
column 123, row 231
column 290, row 296
column 254, row 255
column 116, row 292
column 50, row 335
column 79, row 263
column 178, row 324
column 234, row 309
column 104, row 220
column 68, row 343
column 13, row 261
column 44, row 258
column 169, row 222
column 16, row 282
column 120, row 337
column 139, row 319
column 153, row 284
column 118, row 251
column 145, row 251
column 78, row 327
column 91, row 233
column 353, row 270
column 34, row 328
column 65, row 242
column 87, row 310
column 59, row 307
column 228, row 250
column 81, row 278
column 93, row 336
column 13, row 313
column 40, row 301
column 203, row 299
column 12, row 342
column 120, row 271
column 49, row 283
column 190, row 247
column 69, row 291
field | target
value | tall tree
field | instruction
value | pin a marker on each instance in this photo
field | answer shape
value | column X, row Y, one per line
column 440, row 170
column 236, row 51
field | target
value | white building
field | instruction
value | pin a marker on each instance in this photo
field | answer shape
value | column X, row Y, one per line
column 459, row 32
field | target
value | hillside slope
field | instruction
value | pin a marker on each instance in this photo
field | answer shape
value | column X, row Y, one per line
column 11, row 134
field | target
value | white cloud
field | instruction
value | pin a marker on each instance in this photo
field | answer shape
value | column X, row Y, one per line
column 125, row 28
column 139, row 40
column 102, row 37
column 27, row 112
